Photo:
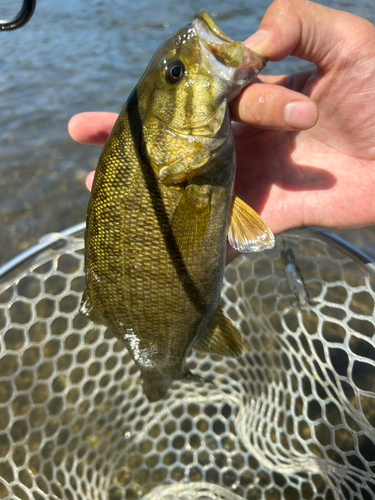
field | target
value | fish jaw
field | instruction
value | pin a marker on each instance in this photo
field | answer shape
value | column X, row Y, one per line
column 232, row 62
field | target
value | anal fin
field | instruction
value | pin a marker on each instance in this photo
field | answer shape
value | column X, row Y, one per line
column 222, row 338
column 247, row 232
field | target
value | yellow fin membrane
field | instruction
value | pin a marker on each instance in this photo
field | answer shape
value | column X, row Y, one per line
column 247, row 232
column 222, row 338
column 190, row 219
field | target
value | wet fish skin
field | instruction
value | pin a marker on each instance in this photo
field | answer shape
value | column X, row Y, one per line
column 161, row 199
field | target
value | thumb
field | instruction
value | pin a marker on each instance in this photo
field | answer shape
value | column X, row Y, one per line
column 309, row 31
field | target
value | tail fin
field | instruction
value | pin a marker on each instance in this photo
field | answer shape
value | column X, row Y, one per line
column 155, row 388
column 191, row 377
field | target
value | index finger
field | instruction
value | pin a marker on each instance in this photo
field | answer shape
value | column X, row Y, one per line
column 92, row 127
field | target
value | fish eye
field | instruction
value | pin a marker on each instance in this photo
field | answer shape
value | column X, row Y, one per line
column 174, row 71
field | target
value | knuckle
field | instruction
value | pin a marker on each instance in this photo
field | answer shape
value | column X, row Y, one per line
column 263, row 106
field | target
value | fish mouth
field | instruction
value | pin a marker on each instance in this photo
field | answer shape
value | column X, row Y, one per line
column 213, row 32
column 230, row 60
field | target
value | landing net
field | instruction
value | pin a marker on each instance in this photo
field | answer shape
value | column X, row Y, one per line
column 292, row 418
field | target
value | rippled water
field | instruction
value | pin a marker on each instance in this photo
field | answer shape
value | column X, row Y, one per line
column 82, row 55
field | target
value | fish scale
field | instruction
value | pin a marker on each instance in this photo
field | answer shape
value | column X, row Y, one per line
column 147, row 257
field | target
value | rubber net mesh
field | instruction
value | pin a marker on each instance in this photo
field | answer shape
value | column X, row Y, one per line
column 292, row 418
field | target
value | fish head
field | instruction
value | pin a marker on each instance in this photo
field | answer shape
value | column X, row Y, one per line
column 194, row 74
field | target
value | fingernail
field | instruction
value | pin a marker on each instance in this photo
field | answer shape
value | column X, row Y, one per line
column 300, row 114
column 257, row 38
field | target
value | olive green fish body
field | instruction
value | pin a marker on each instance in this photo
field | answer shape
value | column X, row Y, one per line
column 158, row 215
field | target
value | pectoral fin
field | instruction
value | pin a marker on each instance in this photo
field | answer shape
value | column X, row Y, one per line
column 247, row 232
column 222, row 338
column 189, row 223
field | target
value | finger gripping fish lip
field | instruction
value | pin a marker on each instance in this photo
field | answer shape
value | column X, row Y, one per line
column 230, row 60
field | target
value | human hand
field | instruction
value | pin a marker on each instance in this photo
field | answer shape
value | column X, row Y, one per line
column 325, row 175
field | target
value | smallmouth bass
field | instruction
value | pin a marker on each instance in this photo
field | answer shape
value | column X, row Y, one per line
column 161, row 203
